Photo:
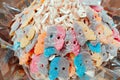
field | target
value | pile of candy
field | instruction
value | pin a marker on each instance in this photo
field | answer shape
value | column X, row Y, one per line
column 60, row 39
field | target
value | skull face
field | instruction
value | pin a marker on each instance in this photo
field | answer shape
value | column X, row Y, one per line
column 107, row 19
column 43, row 64
column 112, row 50
column 39, row 47
column 64, row 69
column 79, row 65
column 33, row 65
column 71, row 43
column 51, row 35
column 54, row 68
column 39, row 65
column 104, row 53
column 55, row 37
column 59, row 40
column 59, row 68
column 79, row 34
column 87, row 60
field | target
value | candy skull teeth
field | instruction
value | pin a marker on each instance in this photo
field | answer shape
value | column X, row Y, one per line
column 64, row 39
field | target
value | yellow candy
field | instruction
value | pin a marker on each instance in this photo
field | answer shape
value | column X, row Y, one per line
column 97, row 59
column 24, row 42
column 31, row 33
column 89, row 34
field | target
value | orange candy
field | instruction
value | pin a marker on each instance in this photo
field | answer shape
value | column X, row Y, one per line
column 26, row 57
column 72, row 67
column 39, row 47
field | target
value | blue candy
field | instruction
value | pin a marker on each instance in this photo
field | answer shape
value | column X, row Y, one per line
column 95, row 48
column 16, row 46
column 49, row 51
column 79, row 65
column 54, row 68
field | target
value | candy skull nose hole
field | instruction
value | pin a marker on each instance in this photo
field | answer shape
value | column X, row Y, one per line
column 79, row 33
column 42, row 65
column 56, row 68
column 63, row 68
column 66, row 42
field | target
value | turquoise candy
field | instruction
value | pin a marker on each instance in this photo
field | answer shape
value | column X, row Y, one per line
column 94, row 48
column 49, row 51
column 16, row 46
column 54, row 68
column 79, row 65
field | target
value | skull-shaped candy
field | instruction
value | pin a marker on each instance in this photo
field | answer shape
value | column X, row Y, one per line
column 55, row 37
column 39, row 66
column 104, row 53
column 79, row 34
column 39, row 47
column 71, row 43
column 79, row 65
column 59, row 68
column 94, row 48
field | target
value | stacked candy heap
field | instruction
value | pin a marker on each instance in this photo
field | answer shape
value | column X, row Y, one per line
column 60, row 39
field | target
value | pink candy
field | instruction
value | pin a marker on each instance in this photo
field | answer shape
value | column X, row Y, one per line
column 71, row 42
column 33, row 65
column 59, row 40
column 116, row 34
column 97, row 8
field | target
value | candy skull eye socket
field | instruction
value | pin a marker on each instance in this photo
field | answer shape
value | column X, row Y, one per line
column 72, row 28
column 79, row 33
column 103, row 54
column 56, row 68
column 51, row 36
column 84, row 21
column 63, row 68
column 95, row 16
column 58, row 37
column 99, row 33
column 86, row 61
column 74, row 42
column 80, row 64
column 42, row 65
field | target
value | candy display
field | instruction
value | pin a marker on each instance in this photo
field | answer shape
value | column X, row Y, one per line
column 64, row 39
